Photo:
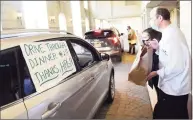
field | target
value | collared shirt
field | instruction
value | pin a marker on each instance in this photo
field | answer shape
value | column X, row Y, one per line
column 174, row 62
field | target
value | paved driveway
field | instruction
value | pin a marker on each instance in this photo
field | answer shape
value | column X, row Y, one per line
column 131, row 101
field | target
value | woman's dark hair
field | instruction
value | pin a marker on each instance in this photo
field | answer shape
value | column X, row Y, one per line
column 153, row 34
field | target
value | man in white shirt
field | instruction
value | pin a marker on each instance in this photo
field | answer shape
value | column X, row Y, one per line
column 122, row 40
column 174, row 68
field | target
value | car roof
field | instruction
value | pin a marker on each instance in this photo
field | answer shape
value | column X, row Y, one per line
column 11, row 39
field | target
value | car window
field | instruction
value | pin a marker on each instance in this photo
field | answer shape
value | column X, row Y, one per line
column 85, row 56
column 99, row 34
column 9, row 83
column 25, row 78
column 80, row 50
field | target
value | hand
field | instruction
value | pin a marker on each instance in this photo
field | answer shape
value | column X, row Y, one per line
column 151, row 75
column 153, row 44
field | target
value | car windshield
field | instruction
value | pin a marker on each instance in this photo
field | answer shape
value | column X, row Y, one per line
column 98, row 34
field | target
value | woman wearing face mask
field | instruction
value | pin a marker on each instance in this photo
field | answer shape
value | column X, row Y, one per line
column 147, row 36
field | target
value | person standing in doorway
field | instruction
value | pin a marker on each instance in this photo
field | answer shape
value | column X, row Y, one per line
column 174, row 67
column 132, row 39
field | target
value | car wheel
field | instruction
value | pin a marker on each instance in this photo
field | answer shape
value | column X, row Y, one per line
column 111, row 92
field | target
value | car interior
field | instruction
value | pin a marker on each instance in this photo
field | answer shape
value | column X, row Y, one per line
column 85, row 56
column 28, row 86
column 9, row 85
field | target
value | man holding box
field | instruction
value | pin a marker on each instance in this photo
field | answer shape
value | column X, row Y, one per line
column 174, row 68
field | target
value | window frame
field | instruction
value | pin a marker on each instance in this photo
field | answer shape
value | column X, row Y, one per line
column 20, row 67
column 94, row 52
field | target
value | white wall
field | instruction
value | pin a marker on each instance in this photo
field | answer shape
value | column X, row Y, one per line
column 185, row 20
column 35, row 18
column 53, row 11
column 175, row 16
column 121, row 24
column 9, row 10
column 114, row 9
column 185, row 25
column 126, row 11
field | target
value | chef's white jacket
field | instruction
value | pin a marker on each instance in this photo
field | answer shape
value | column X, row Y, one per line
column 174, row 62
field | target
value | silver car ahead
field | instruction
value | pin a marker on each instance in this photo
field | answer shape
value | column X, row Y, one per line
column 77, row 96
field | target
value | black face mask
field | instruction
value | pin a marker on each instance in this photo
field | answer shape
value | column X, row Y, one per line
column 145, row 40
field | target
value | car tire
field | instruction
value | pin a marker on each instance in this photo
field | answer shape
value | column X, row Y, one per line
column 111, row 91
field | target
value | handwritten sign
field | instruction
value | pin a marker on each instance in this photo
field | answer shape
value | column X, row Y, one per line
column 48, row 62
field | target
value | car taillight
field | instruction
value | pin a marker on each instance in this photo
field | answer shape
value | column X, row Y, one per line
column 113, row 39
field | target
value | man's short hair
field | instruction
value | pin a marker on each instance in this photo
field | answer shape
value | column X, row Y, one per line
column 164, row 12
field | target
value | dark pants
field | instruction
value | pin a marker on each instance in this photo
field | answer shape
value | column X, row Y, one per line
column 132, row 47
column 155, row 67
column 170, row 107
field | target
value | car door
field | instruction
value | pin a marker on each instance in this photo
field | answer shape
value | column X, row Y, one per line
column 11, row 102
column 101, row 84
column 92, row 90
column 57, row 102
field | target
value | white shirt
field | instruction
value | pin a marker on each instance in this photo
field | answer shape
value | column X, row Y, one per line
column 174, row 62
column 122, row 41
column 125, row 42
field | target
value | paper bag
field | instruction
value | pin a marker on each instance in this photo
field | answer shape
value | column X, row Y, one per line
column 141, row 67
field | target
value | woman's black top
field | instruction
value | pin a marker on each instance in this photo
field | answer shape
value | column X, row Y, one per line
column 155, row 67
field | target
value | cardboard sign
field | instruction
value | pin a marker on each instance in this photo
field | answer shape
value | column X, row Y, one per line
column 48, row 62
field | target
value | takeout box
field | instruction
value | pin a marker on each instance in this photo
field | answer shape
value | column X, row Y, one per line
column 141, row 67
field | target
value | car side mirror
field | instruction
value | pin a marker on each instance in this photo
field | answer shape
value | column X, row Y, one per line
column 105, row 56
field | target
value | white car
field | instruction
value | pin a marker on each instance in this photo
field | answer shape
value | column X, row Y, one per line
column 33, row 86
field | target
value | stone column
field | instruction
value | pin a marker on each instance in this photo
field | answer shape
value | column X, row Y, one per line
column 90, row 16
column 66, row 9
column 83, row 17
column 142, row 20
